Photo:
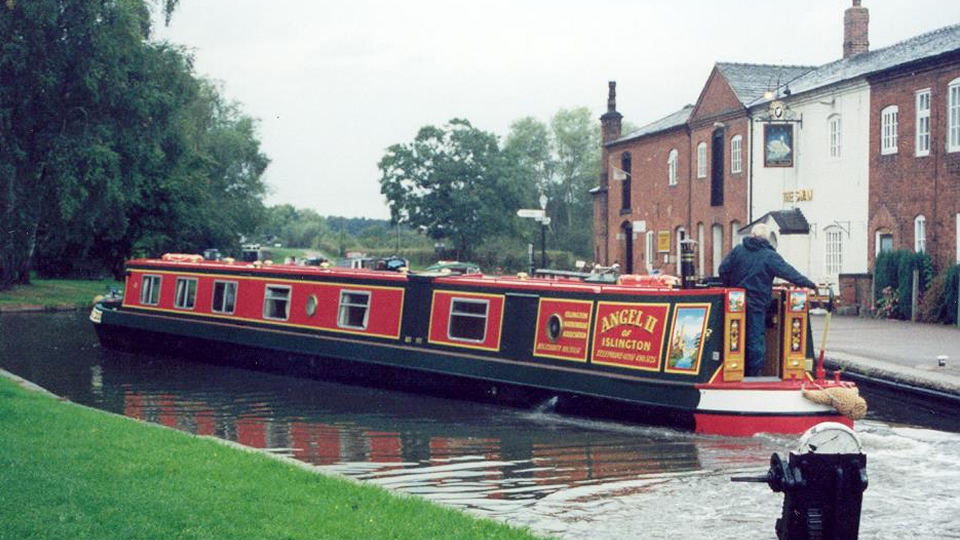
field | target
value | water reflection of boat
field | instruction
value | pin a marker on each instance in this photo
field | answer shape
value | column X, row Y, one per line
column 637, row 348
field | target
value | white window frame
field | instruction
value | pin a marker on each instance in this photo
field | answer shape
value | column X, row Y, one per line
column 717, row 244
column 702, row 160
column 953, row 116
column 348, row 303
column 835, row 135
column 736, row 155
column 878, row 241
column 271, row 293
column 185, row 296
column 701, row 249
column 734, row 232
column 650, row 251
column 833, row 250
column 680, row 234
column 922, row 140
column 889, row 124
column 229, row 294
column 672, row 165
column 148, row 284
column 920, row 234
column 453, row 313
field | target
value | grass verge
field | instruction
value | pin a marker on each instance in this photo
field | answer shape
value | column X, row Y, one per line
column 57, row 292
column 71, row 472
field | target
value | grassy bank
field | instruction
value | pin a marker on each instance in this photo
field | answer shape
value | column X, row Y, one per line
column 72, row 472
column 57, row 292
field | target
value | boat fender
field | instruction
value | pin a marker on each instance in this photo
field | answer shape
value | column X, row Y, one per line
column 522, row 275
column 229, row 260
column 638, row 280
column 845, row 399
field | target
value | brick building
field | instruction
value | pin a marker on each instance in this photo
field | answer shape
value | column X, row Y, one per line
column 848, row 176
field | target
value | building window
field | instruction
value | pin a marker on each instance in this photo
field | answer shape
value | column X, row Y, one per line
column 958, row 238
column 702, row 160
column 736, row 156
column 681, row 236
column 672, row 167
column 702, row 241
column 224, row 297
column 354, row 310
column 889, row 119
column 276, row 303
column 833, row 125
column 884, row 241
column 717, row 248
column 734, row 234
column 920, row 234
column 468, row 319
column 649, row 253
column 834, row 250
column 626, row 165
column 150, row 290
column 953, row 116
column 186, row 295
column 923, row 123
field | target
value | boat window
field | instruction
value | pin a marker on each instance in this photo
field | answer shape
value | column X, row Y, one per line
column 224, row 296
column 276, row 303
column 554, row 328
column 468, row 319
column 186, row 295
column 354, row 309
column 150, row 290
column 311, row 305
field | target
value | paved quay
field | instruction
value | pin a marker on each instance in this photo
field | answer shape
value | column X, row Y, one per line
column 898, row 353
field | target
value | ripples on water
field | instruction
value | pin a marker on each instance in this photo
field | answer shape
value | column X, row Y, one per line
column 563, row 476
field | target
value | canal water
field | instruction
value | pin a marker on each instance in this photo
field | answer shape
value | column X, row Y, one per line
column 561, row 476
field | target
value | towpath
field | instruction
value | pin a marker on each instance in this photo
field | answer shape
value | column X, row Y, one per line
column 905, row 354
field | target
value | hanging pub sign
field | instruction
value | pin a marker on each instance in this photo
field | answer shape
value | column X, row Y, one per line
column 778, row 145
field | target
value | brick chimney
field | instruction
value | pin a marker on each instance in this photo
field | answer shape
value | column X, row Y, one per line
column 856, row 22
column 611, row 120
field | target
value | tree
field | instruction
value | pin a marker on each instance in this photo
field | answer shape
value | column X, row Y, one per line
column 576, row 137
column 109, row 143
column 451, row 182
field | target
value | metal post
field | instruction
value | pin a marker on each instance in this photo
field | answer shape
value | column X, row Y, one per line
column 958, row 299
column 543, row 245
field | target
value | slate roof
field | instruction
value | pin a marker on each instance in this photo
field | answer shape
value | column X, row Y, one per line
column 931, row 44
column 676, row 119
column 789, row 221
column 750, row 81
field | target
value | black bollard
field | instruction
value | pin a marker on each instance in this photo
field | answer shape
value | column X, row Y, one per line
column 823, row 485
column 688, row 273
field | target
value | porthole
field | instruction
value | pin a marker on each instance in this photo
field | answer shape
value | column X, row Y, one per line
column 554, row 327
column 311, row 305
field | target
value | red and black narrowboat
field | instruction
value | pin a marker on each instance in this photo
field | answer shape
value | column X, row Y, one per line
column 637, row 346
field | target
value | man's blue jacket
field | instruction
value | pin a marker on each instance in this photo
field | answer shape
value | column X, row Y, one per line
column 753, row 265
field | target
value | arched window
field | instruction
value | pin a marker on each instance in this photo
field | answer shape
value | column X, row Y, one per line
column 833, row 250
column 953, row 116
column 889, row 122
column 834, row 130
column 734, row 234
column 920, row 234
column 701, row 246
column 702, row 160
column 625, row 164
column 650, row 251
column 672, row 167
column 717, row 248
column 884, row 241
column 736, row 155
column 681, row 236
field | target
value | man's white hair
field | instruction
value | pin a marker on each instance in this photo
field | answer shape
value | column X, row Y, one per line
column 760, row 230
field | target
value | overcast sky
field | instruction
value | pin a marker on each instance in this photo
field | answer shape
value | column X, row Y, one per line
column 334, row 83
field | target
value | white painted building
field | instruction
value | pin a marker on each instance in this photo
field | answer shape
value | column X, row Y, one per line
column 821, row 168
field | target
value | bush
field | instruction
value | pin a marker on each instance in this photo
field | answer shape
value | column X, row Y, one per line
column 894, row 270
column 940, row 301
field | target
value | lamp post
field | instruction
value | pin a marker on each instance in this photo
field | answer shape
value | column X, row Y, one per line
column 543, row 231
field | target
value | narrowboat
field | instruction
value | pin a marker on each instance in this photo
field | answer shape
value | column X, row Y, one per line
column 656, row 349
